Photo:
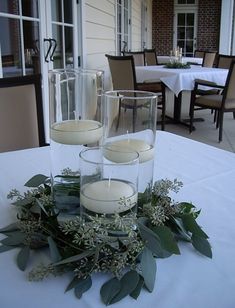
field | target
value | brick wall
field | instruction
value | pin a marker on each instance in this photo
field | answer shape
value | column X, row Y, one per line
column 163, row 22
column 162, row 31
column 208, row 24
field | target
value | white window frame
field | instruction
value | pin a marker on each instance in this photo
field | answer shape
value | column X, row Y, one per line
column 118, row 52
column 185, row 9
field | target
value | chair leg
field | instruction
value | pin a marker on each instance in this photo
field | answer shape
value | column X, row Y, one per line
column 218, row 114
column 234, row 115
column 191, row 113
column 221, row 118
column 215, row 115
column 119, row 113
column 163, row 115
column 134, row 118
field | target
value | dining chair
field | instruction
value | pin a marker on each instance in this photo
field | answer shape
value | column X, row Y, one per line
column 224, row 61
column 123, row 76
column 221, row 102
column 21, row 113
column 199, row 53
column 150, row 57
column 139, row 59
column 209, row 58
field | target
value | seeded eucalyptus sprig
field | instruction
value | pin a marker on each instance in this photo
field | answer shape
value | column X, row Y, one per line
column 126, row 247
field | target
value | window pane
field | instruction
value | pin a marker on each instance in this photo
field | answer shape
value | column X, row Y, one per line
column 68, row 13
column 191, row 1
column 10, row 47
column 9, row 6
column 189, row 46
column 181, row 33
column 189, row 33
column 58, row 55
column 181, row 19
column 31, row 47
column 190, row 19
column 56, row 10
column 30, row 8
column 181, row 1
column 69, row 47
column 125, row 21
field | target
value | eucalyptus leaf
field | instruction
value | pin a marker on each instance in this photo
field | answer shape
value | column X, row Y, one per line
column 82, row 286
column 14, row 239
column 72, row 283
column 167, row 239
column 40, row 204
column 136, row 292
column 109, row 290
column 149, row 268
column 4, row 248
column 153, row 241
column 129, row 282
column 54, row 252
column 191, row 225
column 86, row 253
column 36, row 180
column 23, row 257
column 11, row 227
column 202, row 245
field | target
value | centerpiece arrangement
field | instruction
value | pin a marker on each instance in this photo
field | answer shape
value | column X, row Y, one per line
column 102, row 213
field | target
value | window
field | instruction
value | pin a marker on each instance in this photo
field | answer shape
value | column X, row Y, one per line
column 123, row 23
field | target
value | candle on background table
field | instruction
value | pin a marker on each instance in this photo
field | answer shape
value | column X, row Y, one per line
column 77, row 132
column 106, row 196
column 145, row 150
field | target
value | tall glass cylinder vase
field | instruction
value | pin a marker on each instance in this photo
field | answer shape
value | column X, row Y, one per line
column 129, row 119
column 75, row 121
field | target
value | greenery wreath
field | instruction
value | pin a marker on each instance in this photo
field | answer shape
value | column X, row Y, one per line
column 87, row 246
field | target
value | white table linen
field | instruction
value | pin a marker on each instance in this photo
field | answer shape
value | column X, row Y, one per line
column 190, row 280
column 178, row 80
column 166, row 59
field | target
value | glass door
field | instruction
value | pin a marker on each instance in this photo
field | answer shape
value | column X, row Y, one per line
column 19, row 38
column 185, row 31
column 37, row 35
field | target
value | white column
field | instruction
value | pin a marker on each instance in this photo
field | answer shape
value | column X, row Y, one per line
column 226, row 23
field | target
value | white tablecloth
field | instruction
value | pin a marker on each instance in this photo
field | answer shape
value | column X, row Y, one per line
column 178, row 80
column 190, row 280
column 166, row 59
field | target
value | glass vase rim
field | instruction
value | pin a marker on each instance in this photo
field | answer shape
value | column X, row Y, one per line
column 146, row 94
column 133, row 161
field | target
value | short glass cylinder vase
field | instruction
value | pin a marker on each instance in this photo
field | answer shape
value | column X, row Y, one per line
column 75, row 121
column 107, row 187
column 129, row 119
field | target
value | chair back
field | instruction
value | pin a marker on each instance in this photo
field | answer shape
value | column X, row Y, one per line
column 21, row 113
column 138, row 57
column 209, row 59
column 122, row 71
column 229, row 91
column 224, row 61
column 150, row 57
column 199, row 53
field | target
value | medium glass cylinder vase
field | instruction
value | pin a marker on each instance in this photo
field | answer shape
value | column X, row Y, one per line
column 129, row 119
column 75, row 99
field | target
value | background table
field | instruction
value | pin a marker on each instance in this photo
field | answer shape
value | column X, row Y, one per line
column 180, row 80
column 190, row 280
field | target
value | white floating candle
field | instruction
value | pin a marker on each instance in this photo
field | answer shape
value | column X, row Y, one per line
column 77, row 132
column 108, row 196
column 146, row 151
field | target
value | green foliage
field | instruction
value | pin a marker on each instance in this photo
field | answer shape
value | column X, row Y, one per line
column 126, row 246
column 177, row 65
